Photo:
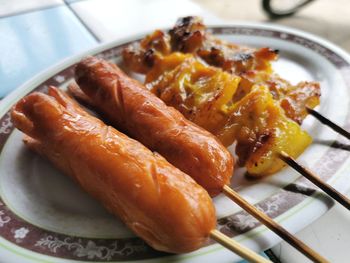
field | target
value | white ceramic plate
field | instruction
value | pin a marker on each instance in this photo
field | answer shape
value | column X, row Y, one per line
column 44, row 216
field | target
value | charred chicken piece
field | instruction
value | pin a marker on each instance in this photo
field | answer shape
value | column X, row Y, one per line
column 141, row 56
column 236, row 59
column 188, row 34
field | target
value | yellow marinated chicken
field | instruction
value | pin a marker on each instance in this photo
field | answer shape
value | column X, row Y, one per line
column 205, row 95
column 259, row 126
column 292, row 98
column 202, row 93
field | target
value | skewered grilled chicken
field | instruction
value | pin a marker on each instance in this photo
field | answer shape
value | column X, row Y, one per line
column 207, row 96
column 252, row 65
column 189, row 36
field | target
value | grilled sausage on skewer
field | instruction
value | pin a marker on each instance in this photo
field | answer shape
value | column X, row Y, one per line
column 157, row 201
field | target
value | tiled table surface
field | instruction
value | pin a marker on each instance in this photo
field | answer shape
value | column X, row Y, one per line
column 36, row 34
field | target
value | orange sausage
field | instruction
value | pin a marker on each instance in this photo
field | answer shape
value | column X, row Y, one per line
column 132, row 108
column 161, row 204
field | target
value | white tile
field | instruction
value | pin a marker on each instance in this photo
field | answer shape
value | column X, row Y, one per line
column 11, row 7
column 111, row 19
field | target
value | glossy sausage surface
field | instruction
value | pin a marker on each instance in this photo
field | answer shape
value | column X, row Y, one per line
column 134, row 109
column 161, row 204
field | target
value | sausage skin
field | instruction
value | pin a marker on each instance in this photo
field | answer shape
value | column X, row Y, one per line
column 129, row 106
column 160, row 203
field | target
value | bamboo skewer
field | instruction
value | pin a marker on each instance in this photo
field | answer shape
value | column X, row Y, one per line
column 328, row 122
column 237, row 248
column 271, row 224
column 342, row 199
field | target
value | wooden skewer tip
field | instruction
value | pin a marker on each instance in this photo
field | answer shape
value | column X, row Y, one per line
column 272, row 225
column 327, row 188
column 328, row 122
